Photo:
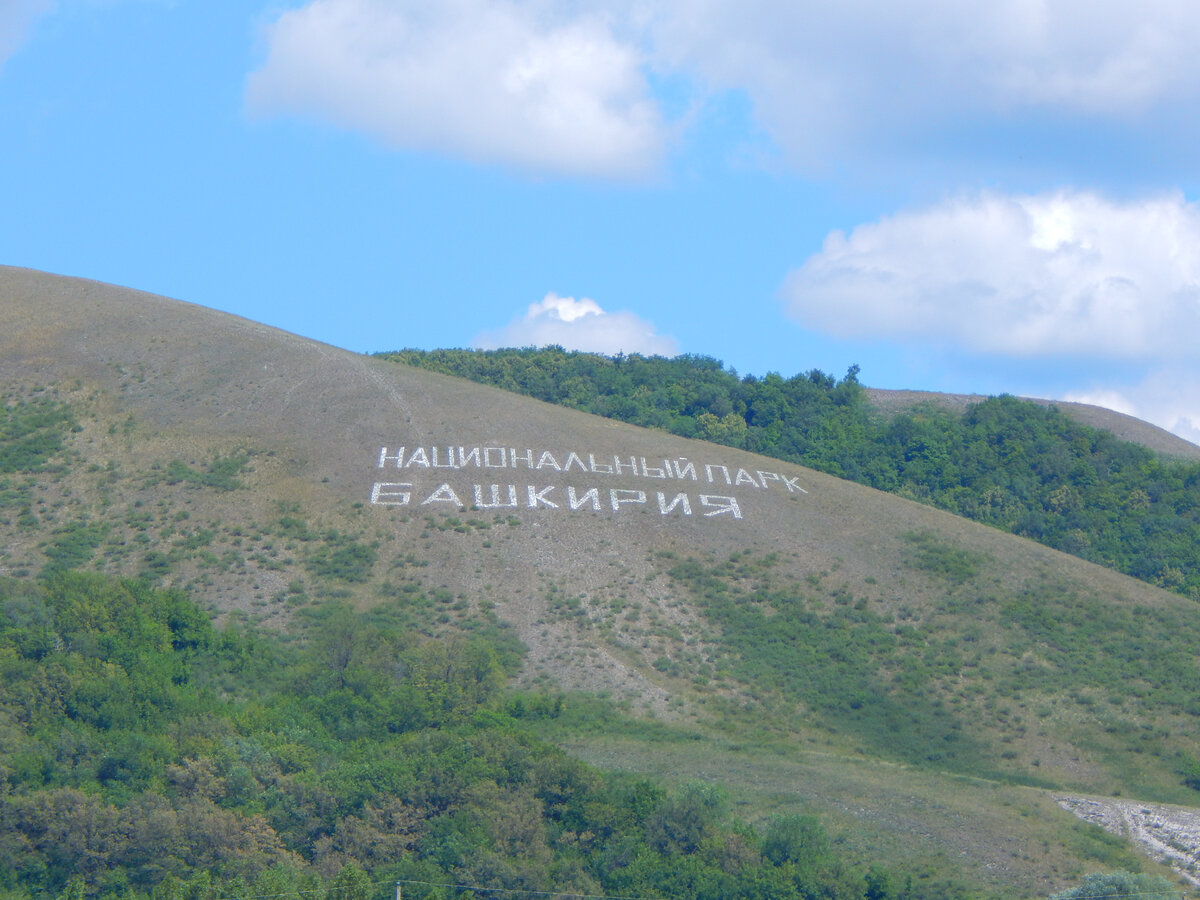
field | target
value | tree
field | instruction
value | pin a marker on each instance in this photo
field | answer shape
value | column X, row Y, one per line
column 729, row 430
column 351, row 883
column 683, row 821
column 795, row 839
column 1120, row 884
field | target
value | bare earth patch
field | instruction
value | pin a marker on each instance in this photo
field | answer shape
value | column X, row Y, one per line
column 1168, row 834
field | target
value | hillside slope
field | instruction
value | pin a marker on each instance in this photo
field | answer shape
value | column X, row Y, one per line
column 1026, row 467
column 928, row 683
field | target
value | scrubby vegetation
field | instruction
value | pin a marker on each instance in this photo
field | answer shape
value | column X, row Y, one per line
column 145, row 753
column 33, row 429
column 220, row 473
column 1120, row 884
column 962, row 693
column 1013, row 464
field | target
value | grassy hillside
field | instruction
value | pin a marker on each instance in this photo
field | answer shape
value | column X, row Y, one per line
column 925, row 686
column 1022, row 466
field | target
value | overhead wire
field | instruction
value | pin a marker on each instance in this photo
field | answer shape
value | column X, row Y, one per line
column 480, row 889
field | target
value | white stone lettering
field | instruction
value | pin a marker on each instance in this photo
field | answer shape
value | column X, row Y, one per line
column 744, row 477
column 574, row 457
column 384, row 457
column 495, row 500
column 592, row 494
column 384, row 493
column 680, row 500
column 791, row 484
column 541, row 496
column 617, row 496
column 631, row 468
column 648, row 472
column 708, row 470
column 682, row 472
column 538, row 497
column 721, row 506
column 444, row 494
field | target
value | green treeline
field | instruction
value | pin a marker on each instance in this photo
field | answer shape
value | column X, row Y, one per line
column 1013, row 464
column 145, row 753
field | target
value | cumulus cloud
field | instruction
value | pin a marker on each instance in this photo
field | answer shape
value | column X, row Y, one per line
column 1063, row 274
column 1168, row 396
column 551, row 85
column 15, row 18
column 828, row 79
column 579, row 325
column 495, row 81
column 1067, row 279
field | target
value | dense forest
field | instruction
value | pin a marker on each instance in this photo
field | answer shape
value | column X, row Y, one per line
column 1012, row 464
column 145, row 753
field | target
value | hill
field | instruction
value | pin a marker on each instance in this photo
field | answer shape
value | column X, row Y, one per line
column 1122, row 426
column 1028, row 467
column 930, row 687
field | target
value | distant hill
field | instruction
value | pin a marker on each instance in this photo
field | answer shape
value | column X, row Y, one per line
column 1122, row 426
column 929, row 687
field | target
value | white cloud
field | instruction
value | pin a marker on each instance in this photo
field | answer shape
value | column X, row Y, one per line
column 1168, row 396
column 554, row 85
column 1067, row 281
column 579, row 325
column 836, row 78
column 1054, row 275
column 494, row 81
column 15, row 19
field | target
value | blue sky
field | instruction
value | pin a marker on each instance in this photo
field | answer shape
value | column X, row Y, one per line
column 957, row 197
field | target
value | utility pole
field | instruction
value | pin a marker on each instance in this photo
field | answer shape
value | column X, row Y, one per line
column 398, row 897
